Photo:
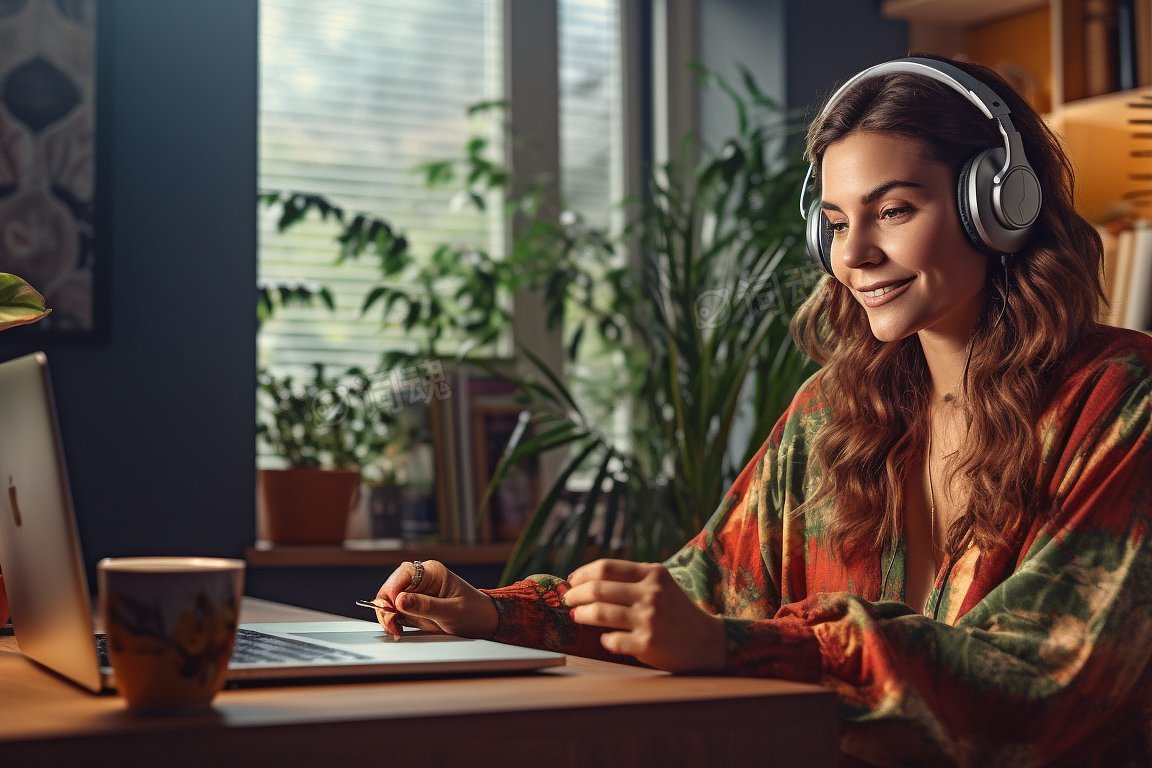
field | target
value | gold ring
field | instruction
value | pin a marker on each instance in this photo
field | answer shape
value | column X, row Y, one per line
column 419, row 566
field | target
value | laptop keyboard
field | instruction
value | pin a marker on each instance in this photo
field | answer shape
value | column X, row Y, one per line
column 258, row 648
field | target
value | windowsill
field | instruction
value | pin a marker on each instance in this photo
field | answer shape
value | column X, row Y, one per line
column 356, row 553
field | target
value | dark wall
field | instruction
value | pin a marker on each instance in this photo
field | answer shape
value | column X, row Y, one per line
column 797, row 50
column 831, row 40
column 158, row 419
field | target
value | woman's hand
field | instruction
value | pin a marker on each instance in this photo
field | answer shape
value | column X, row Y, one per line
column 440, row 602
column 657, row 622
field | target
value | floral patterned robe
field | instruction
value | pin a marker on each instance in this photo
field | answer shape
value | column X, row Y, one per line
column 1031, row 654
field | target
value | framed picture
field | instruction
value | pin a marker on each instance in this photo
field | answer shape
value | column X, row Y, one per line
column 515, row 499
column 48, row 161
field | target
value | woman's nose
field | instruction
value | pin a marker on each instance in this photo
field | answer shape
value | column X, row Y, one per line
column 856, row 248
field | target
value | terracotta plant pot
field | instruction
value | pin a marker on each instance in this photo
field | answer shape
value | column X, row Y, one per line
column 306, row 506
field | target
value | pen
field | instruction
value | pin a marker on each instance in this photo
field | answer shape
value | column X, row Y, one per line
column 376, row 606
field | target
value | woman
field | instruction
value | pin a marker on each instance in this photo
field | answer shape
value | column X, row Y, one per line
column 949, row 525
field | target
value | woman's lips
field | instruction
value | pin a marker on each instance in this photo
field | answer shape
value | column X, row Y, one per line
column 878, row 294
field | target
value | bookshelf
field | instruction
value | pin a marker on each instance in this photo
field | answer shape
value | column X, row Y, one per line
column 364, row 554
column 1086, row 65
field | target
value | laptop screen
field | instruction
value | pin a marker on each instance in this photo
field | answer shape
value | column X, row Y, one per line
column 39, row 547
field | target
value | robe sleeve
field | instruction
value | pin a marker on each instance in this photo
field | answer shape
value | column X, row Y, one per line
column 722, row 568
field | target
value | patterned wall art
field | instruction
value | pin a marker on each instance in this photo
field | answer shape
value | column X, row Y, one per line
column 48, row 156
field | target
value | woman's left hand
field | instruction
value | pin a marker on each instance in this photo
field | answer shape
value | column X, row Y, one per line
column 656, row 621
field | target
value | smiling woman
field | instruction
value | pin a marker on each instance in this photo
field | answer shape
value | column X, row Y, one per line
column 949, row 527
column 897, row 241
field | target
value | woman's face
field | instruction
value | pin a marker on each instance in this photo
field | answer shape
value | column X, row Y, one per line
column 897, row 243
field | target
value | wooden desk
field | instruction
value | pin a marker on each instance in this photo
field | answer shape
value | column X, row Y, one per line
column 585, row 714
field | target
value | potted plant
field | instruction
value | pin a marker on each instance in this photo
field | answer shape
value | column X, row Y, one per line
column 324, row 430
column 20, row 304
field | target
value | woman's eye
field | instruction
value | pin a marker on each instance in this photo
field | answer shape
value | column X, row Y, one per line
column 896, row 212
column 837, row 227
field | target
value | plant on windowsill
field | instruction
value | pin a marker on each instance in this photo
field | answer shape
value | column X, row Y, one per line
column 20, row 304
column 697, row 330
column 324, row 430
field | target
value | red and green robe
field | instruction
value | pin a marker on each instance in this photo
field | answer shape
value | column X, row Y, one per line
column 1030, row 654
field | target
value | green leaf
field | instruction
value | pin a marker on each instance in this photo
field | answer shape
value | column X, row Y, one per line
column 20, row 303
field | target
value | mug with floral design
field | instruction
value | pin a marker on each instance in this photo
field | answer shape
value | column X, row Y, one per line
column 171, row 624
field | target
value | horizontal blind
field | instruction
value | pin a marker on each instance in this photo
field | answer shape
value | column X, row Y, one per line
column 591, row 162
column 590, row 109
column 354, row 94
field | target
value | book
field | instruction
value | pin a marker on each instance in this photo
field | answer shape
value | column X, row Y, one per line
column 464, row 424
column 1142, row 23
column 1118, row 293
column 495, row 425
column 1126, row 62
column 487, row 409
column 1100, row 60
column 1138, row 310
column 1109, row 240
column 444, row 449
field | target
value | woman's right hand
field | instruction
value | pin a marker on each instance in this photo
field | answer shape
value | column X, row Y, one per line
column 440, row 602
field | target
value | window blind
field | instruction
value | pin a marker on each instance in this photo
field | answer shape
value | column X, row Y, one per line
column 354, row 94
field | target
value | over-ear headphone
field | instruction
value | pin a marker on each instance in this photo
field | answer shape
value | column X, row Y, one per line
column 998, row 194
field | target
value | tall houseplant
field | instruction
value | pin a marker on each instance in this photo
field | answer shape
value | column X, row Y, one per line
column 20, row 304
column 702, row 334
column 696, row 328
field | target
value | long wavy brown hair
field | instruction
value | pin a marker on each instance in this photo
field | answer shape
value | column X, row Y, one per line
column 1037, row 313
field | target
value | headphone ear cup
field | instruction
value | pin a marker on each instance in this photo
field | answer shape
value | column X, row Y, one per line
column 966, row 202
column 818, row 236
column 997, row 218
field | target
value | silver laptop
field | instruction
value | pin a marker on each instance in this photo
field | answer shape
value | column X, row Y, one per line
column 51, row 607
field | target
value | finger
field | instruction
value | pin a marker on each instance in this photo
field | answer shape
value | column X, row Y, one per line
column 619, row 643
column 605, row 615
column 390, row 621
column 392, row 586
column 424, row 611
column 400, row 580
column 609, row 570
column 618, row 592
column 394, row 622
column 416, row 572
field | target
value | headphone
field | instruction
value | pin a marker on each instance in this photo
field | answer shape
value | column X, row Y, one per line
column 998, row 194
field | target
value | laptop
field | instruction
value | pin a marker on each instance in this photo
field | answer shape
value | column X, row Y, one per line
column 51, row 607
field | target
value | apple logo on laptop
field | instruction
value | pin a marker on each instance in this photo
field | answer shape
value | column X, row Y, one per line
column 13, row 503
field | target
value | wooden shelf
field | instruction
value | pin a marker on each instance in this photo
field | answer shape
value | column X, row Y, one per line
column 265, row 555
column 952, row 12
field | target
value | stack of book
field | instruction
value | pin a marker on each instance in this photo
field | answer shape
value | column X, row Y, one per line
column 1117, row 45
column 1128, row 275
column 471, row 430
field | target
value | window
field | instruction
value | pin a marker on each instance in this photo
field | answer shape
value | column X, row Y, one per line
column 356, row 93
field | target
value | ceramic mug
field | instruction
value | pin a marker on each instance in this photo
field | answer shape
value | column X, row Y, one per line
column 171, row 624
